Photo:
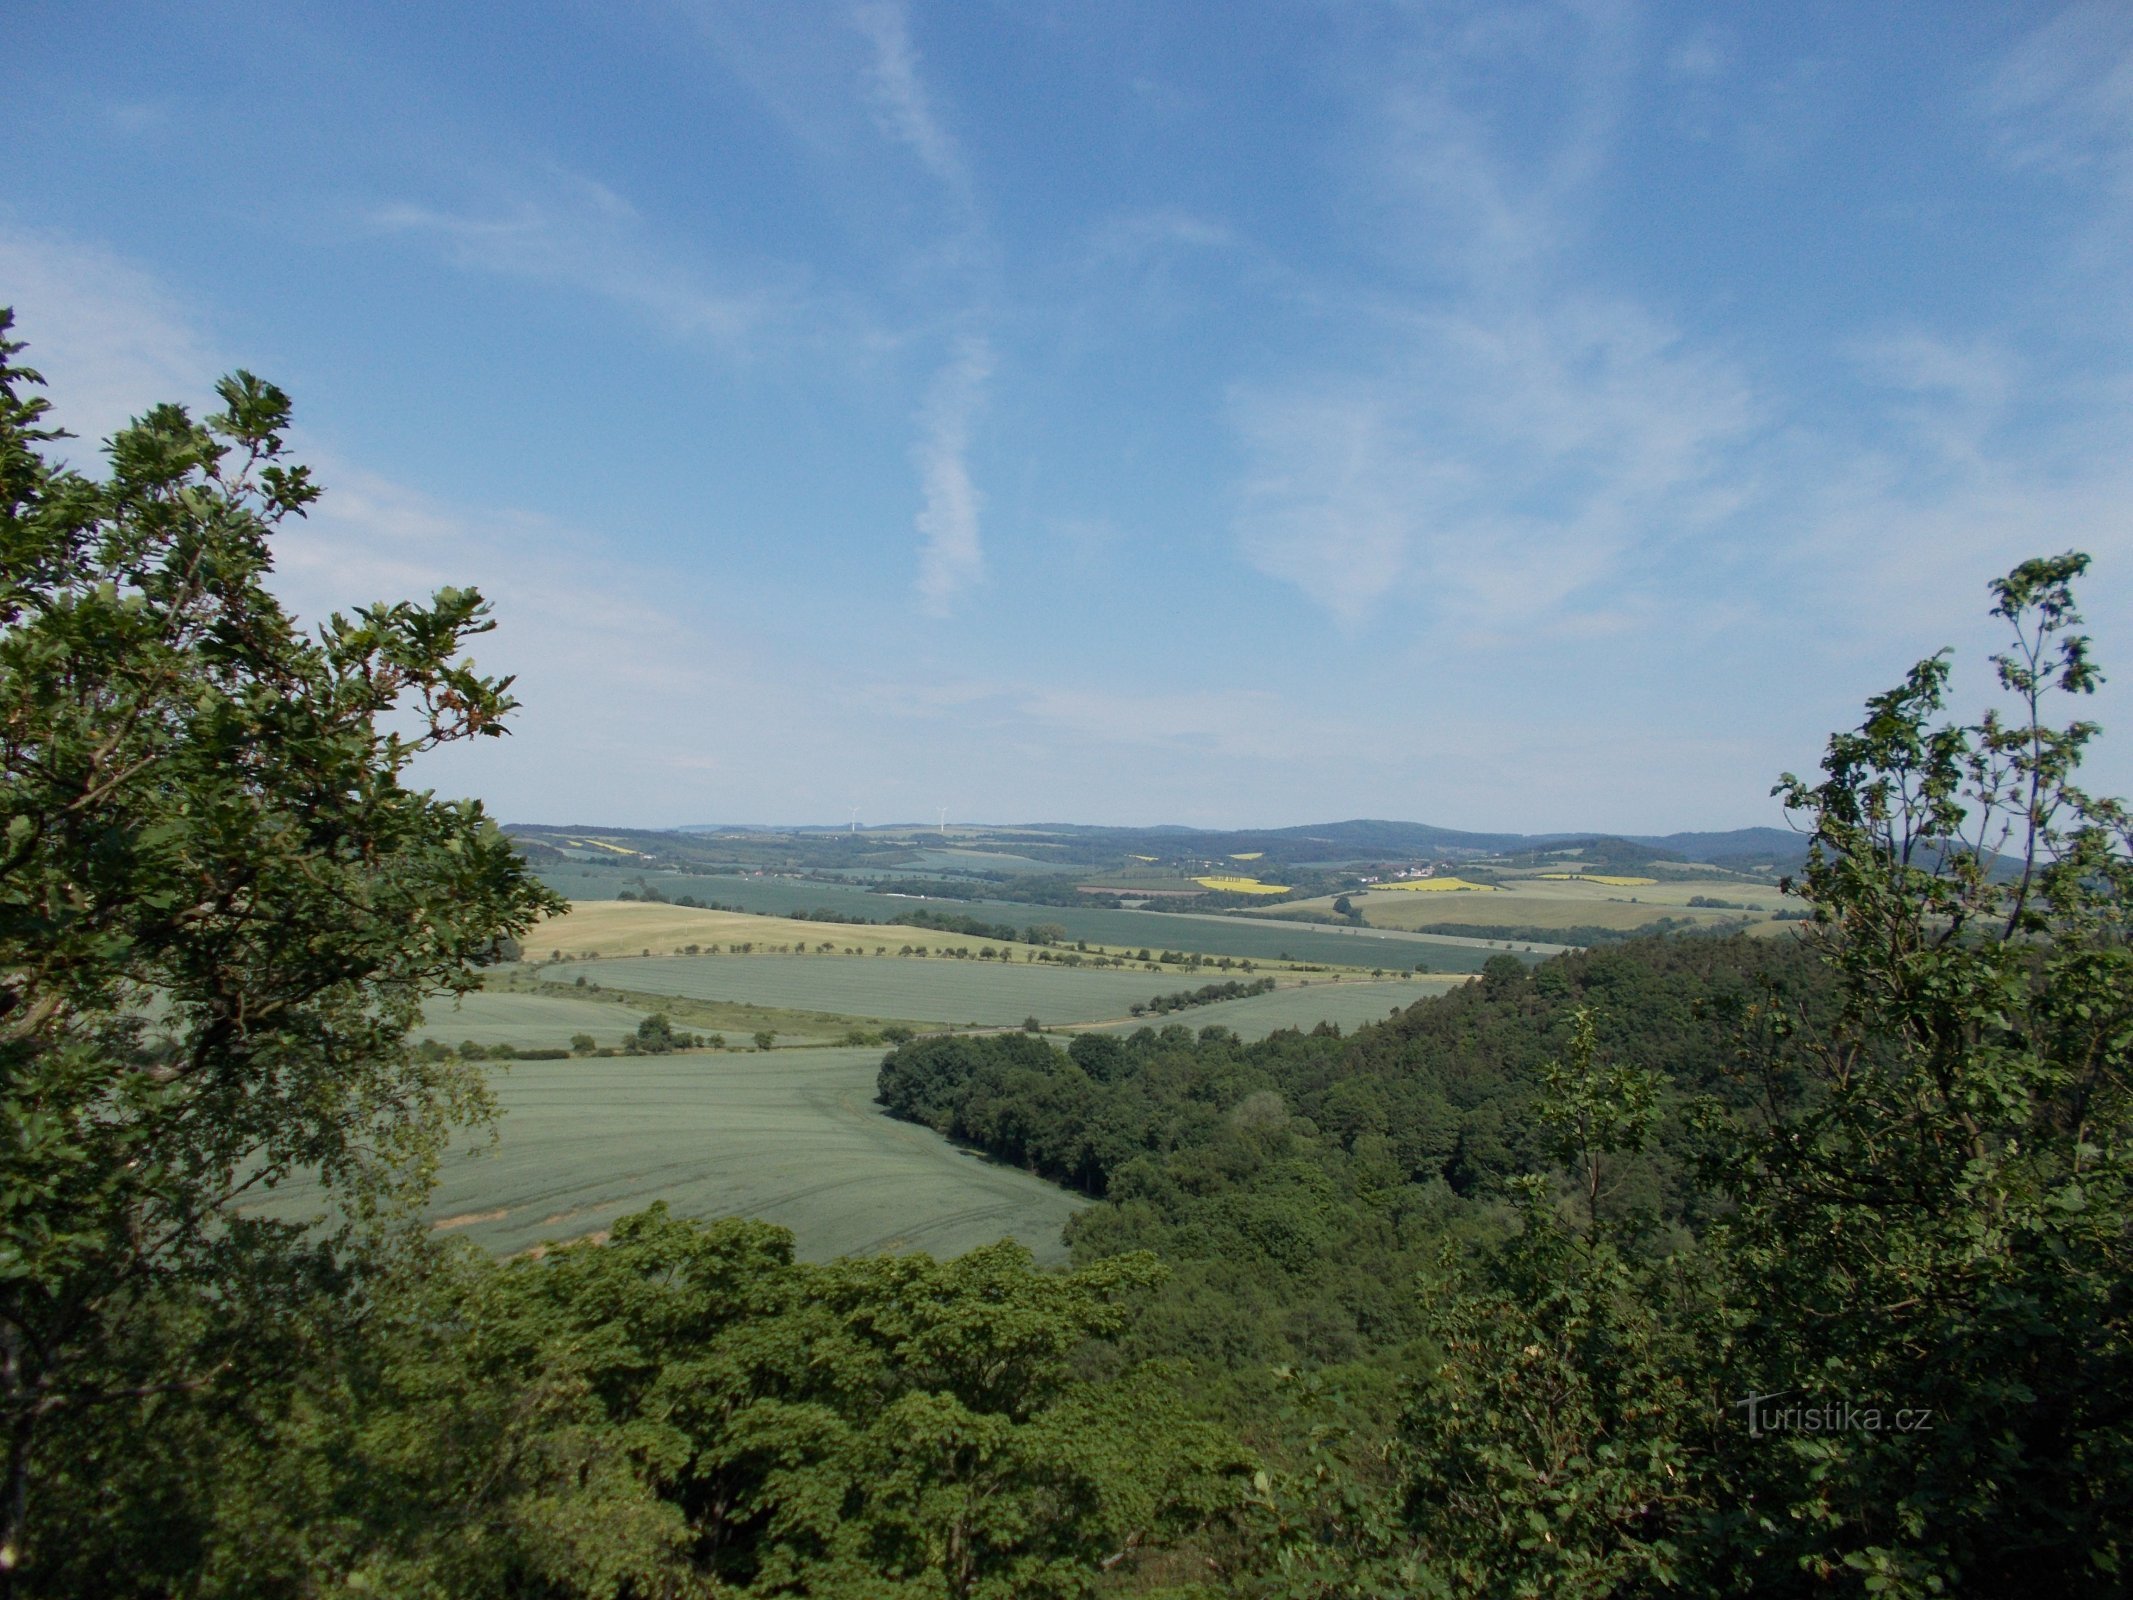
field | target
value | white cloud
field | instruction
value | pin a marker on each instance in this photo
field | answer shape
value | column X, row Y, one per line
column 582, row 234
column 1499, row 450
column 1336, row 496
column 2064, row 95
column 1512, row 432
column 951, row 554
column 110, row 341
column 902, row 107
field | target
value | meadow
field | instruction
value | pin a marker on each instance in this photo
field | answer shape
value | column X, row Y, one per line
column 792, row 1136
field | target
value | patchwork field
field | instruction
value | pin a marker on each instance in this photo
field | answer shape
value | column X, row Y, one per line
column 1569, row 903
column 976, row 993
column 792, row 1136
column 1250, row 938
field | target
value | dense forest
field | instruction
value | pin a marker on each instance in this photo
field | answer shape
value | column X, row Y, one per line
column 1699, row 1266
column 1311, row 1177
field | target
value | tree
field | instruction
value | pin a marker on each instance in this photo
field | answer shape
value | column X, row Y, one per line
column 1594, row 1110
column 686, row 1410
column 1902, row 1355
column 220, row 907
column 1937, row 1221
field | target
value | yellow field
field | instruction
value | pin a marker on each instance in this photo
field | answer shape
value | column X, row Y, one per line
column 1249, row 855
column 1241, row 886
column 1597, row 877
column 627, row 928
column 1436, row 886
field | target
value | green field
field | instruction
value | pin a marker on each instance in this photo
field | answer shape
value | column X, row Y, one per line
column 955, row 860
column 793, row 1137
column 982, row 993
column 536, row 1020
column 1348, row 1005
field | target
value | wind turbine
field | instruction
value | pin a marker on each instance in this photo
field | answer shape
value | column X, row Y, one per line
column 855, row 819
column 944, row 822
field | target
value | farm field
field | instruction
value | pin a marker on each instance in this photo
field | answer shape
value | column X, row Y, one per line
column 1434, row 886
column 539, row 1021
column 1539, row 903
column 952, row 859
column 792, row 1136
column 1348, row 1005
column 981, row 993
column 516, row 1016
column 1246, row 937
column 763, row 896
column 628, row 927
column 1669, row 892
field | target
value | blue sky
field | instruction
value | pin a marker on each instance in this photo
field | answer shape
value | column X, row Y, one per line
column 1529, row 416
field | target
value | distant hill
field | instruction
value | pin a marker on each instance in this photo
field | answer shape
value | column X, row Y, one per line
column 1778, row 846
column 1067, row 844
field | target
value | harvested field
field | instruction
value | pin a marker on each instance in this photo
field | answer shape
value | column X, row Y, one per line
column 625, row 928
column 981, row 993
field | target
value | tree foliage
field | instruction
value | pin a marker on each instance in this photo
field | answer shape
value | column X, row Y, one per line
column 220, row 906
column 1899, row 1358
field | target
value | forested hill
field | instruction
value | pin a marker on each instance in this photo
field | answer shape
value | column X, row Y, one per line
column 1297, row 1184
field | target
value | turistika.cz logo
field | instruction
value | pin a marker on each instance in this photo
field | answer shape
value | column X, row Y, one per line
column 1830, row 1416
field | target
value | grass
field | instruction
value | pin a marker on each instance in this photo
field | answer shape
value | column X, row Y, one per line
column 793, row 1137
column 978, row 993
column 1613, row 879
